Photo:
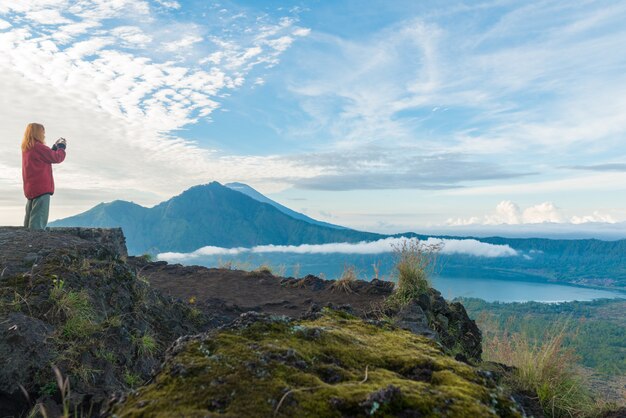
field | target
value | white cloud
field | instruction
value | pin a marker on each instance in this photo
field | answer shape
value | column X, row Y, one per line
column 450, row 246
column 596, row 216
column 509, row 213
column 182, row 43
column 301, row 32
column 47, row 17
column 543, row 212
column 169, row 4
column 131, row 36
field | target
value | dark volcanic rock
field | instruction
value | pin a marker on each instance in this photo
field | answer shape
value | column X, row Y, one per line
column 452, row 325
column 68, row 299
column 23, row 350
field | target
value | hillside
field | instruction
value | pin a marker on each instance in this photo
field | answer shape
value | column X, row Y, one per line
column 207, row 215
column 71, row 299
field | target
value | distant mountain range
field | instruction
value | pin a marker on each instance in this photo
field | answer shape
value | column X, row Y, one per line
column 236, row 215
column 211, row 215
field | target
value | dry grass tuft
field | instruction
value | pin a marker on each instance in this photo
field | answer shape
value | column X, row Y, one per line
column 544, row 367
column 415, row 262
column 347, row 280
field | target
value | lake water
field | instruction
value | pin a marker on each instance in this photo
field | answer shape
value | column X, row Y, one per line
column 493, row 290
column 487, row 284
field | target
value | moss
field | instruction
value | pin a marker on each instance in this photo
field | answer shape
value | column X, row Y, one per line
column 335, row 365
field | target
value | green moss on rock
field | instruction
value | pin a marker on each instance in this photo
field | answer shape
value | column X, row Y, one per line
column 330, row 365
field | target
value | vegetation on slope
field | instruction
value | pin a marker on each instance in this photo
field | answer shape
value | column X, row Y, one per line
column 595, row 330
column 332, row 364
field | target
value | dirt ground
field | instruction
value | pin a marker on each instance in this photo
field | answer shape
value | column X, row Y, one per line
column 242, row 291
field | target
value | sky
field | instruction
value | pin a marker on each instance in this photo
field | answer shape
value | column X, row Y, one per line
column 381, row 116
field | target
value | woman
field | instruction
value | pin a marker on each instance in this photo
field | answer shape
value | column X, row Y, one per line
column 37, row 160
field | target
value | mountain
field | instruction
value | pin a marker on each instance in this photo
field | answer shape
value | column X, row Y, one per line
column 249, row 191
column 208, row 215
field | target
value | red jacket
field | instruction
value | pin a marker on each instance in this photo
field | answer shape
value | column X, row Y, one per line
column 37, row 169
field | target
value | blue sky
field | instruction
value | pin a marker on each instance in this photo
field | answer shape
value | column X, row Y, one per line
column 386, row 116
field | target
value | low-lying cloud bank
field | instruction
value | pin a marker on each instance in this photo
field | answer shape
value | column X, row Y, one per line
column 450, row 246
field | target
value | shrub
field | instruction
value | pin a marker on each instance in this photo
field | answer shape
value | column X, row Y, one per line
column 415, row 262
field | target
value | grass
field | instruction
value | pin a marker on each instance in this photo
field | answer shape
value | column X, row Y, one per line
column 295, row 270
column 75, row 308
column 107, row 355
column 347, row 280
column 264, row 268
column 415, row 262
column 546, row 368
column 148, row 258
column 146, row 345
column 132, row 380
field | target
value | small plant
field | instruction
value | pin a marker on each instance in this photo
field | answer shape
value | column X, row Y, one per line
column 106, row 355
column 195, row 313
column 86, row 374
column 132, row 379
column 49, row 389
column 264, row 269
column 57, row 287
column 114, row 321
column 415, row 261
column 77, row 310
column 347, row 280
column 148, row 258
column 146, row 345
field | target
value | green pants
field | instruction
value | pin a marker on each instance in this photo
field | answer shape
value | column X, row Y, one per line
column 37, row 212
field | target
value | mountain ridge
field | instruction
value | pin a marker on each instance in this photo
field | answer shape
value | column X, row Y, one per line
column 209, row 214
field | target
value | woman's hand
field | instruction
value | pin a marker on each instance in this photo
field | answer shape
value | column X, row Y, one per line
column 61, row 143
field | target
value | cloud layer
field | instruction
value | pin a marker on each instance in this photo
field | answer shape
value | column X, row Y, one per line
column 450, row 246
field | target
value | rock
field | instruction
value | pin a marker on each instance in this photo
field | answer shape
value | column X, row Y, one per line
column 412, row 318
column 23, row 353
column 432, row 316
column 81, row 308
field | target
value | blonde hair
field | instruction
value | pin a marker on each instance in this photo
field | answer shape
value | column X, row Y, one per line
column 35, row 132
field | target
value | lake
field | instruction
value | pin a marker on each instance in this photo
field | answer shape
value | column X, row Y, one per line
column 487, row 284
